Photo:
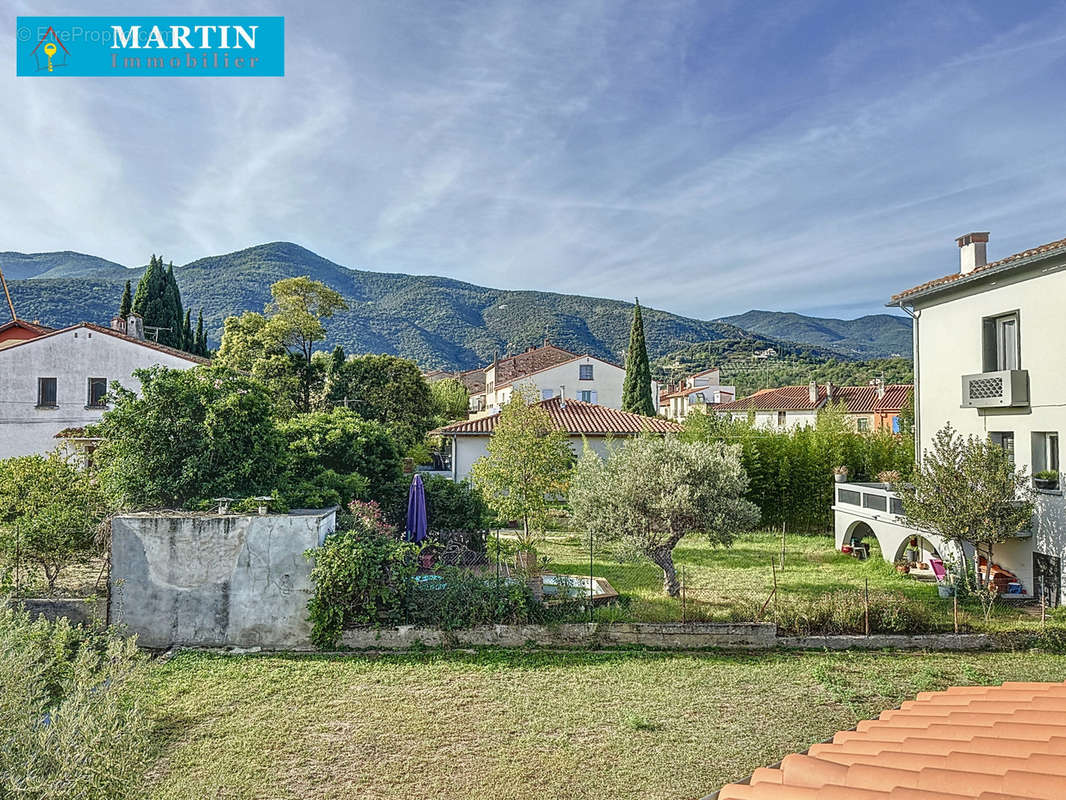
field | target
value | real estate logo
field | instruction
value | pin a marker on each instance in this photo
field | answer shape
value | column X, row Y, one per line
column 165, row 46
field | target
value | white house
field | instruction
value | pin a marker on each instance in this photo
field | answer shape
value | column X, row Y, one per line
column 595, row 424
column 987, row 360
column 58, row 379
column 696, row 393
column 873, row 407
column 549, row 371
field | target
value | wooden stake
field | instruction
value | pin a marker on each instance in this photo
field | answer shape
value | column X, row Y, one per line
column 955, row 608
column 866, row 607
column 782, row 546
column 774, row 570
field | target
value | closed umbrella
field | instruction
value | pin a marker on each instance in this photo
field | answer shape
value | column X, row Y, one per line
column 416, row 511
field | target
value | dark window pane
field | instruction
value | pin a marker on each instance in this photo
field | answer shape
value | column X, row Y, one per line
column 46, row 391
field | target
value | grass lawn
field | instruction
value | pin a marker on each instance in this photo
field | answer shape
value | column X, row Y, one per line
column 724, row 584
column 520, row 724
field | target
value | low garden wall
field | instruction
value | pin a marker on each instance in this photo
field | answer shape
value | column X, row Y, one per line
column 671, row 636
column 79, row 610
column 214, row 580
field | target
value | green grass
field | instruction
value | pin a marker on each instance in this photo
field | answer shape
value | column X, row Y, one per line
column 520, row 724
column 734, row 583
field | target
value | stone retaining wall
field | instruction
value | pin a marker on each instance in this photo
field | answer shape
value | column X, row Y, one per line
column 79, row 610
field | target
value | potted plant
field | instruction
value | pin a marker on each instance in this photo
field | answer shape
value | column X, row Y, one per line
column 889, row 477
column 903, row 566
column 525, row 561
column 1046, row 479
column 840, row 474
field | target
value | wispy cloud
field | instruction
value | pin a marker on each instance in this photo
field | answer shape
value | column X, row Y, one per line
column 813, row 156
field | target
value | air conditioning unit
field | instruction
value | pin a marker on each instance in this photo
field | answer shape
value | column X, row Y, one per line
column 1003, row 389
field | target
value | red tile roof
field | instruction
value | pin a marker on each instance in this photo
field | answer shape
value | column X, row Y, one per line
column 949, row 279
column 577, row 418
column 162, row 348
column 532, row 360
column 977, row 742
column 856, row 399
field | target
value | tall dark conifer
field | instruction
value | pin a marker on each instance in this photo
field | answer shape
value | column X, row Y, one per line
column 125, row 306
column 636, row 391
column 200, row 342
column 187, row 343
column 172, row 303
column 148, row 301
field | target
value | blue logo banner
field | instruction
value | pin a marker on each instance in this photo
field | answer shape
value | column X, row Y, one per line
column 163, row 46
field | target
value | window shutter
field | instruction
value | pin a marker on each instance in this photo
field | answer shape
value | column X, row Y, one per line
column 592, row 396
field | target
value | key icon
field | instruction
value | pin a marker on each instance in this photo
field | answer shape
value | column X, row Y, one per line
column 49, row 50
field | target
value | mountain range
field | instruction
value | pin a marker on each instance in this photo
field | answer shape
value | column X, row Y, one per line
column 438, row 322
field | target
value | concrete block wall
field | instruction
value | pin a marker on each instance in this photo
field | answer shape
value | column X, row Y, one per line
column 214, row 580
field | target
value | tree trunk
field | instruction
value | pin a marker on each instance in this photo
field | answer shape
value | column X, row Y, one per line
column 664, row 559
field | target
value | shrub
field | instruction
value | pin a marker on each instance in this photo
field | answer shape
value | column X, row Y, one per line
column 68, row 725
column 457, row 598
column 457, row 506
column 361, row 575
column 843, row 612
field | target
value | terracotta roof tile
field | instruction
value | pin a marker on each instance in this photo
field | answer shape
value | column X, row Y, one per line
column 577, row 418
column 511, row 367
column 162, row 348
column 984, row 742
column 856, row 399
column 948, row 279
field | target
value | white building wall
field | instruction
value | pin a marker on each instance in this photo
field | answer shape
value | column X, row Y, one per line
column 769, row 419
column 72, row 358
column 950, row 345
column 607, row 381
column 469, row 449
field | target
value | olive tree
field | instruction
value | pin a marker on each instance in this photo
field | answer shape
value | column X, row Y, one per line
column 652, row 492
column 967, row 490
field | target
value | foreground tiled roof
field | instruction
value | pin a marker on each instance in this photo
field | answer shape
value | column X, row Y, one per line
column 162, row 348
column 855, row 399
column 947, row 279
column 576, row 417
column 975, row 742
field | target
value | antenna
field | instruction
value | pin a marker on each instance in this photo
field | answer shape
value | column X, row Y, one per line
column 7, row 294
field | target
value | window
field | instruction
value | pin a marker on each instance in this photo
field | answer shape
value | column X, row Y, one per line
column 1002, row 342
column 587, row 396
column 547, row 394
column 781, row 418
column 1045, row 451
column 895, row 424
column 46, row 392
column 1004, row 439
column 862, row 424
column 97, row 393
column 585, row 372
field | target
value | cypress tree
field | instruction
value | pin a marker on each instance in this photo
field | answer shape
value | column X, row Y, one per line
column 200, row 343
column 172, row 303
column 187, row 343
column 148, row 300
column 126, row 304
column 636, row 391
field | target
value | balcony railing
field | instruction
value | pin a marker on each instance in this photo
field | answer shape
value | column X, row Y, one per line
column 1003, row 389
column 870, row 496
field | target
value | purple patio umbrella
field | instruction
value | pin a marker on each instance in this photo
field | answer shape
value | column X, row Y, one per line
column 416, row 511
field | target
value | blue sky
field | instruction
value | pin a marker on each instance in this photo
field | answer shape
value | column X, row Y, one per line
column 710, row 157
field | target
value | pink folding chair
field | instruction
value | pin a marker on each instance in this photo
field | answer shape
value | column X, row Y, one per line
column 938, row 569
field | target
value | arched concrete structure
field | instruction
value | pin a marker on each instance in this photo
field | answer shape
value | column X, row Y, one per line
column 868, row 508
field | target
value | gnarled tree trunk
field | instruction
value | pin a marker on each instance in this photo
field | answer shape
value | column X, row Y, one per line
column 663, row 557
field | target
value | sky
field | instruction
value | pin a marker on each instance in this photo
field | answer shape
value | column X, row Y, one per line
column 708, row 157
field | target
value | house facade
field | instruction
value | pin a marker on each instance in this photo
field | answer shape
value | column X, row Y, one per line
column 697, row 392
column 875, row 407
column 58, row 380
column 987, row 361
column 585, row 422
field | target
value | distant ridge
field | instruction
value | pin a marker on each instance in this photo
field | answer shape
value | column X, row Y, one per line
column 438, row 322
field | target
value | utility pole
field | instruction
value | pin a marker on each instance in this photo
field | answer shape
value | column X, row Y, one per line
column 7, row 294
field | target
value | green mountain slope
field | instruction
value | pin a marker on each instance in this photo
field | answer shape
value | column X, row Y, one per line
column 66, row 264
column 439, row 322
column 876, row 335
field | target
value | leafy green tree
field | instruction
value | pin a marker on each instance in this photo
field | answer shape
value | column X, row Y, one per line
column 335, row 456
column 189, row 436
column 651, row 493
column 527, row 466
column 451, row 401
column 968, row 491
column 386, row 389
column 125, row 306
column 50, row 509
column 72, row 724
column 636, row 391
column 285, row 335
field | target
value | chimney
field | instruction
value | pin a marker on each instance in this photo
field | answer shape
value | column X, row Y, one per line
column 880, row 384
column 562, row 395
column 135, row 325
column 829, row 391
column 118, row 323
column 972, row 251
column 813, row 391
